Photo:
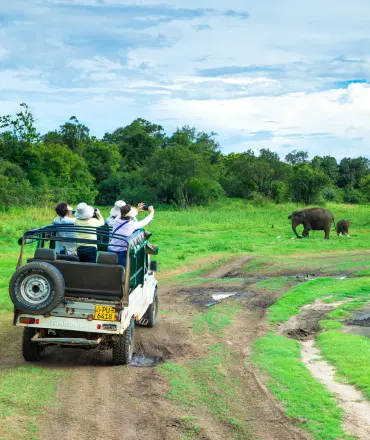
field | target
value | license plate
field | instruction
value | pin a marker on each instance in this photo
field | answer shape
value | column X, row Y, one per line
column 105, row 313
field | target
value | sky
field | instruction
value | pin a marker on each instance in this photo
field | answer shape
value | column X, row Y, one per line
column 262, row 74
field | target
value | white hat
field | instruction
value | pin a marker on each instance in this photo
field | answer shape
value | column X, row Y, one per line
column 116, row 210
column 84, row 211
column 132, row 213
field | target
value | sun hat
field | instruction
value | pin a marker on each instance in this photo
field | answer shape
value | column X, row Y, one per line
column 133, row 212
column 84, row 211
column 69, row 208
column 116, row 210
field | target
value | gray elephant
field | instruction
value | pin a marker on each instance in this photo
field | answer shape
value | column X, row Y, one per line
column 313, row 219
column 343, row 227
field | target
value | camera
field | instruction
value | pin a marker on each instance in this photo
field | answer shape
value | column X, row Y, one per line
column 145, row 207
column 95, row 214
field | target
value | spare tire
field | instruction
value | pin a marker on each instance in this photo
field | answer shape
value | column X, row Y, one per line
column 36, row 288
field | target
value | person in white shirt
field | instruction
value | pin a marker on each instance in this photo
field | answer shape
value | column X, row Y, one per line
column 116, row 212
column 125, row 225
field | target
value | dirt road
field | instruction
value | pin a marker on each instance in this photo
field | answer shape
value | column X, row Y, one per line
column 100, row 401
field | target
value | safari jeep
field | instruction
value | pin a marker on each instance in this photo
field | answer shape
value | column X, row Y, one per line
column 59, row 300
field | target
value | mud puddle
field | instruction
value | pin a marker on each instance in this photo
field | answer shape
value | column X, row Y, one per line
column 221, row 295
column 360, row 318
column 208, row 297
column 356, row 408
column 359, row 323
column 143, row 360
column 306, row 323
column 356, row 330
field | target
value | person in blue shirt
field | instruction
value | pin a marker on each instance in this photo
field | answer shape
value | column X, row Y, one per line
column 65, row 217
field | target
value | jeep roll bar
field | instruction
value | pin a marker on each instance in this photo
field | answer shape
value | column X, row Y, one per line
column 134, row 242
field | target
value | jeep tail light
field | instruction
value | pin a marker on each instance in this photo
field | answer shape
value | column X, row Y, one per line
column 37, row 321
column 98, row 326
column 23, row 320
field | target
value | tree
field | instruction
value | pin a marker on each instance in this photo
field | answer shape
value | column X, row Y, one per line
column 74, row 134
column 268, row 155
column 170, row 171
column 22, row 127
column 352, row 171
column 14, row 186
column 137, row 141
column 103, row 159
column 237, row 179
column 328, row 165
column 67, row 173
column 296, row 157
column 201, row 142
column 306, row 183
column 365, row 187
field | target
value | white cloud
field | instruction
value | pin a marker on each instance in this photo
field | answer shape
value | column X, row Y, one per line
column 150, row 61
column 342, row 113
column 28, row 80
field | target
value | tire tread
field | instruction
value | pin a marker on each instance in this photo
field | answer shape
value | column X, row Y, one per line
column 31, row 351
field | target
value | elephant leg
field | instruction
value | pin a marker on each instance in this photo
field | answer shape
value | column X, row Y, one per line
column 306, row 232
column 327, row 233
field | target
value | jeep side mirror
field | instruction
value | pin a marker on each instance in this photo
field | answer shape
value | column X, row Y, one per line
column 153, row 266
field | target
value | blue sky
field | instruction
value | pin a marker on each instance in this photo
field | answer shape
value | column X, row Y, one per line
column 262, row 74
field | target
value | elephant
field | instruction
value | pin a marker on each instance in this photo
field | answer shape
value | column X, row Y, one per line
column 342, row 227
column 313, row 219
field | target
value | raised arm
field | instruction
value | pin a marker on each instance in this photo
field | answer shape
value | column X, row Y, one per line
column 100, row 220
column 147, row 219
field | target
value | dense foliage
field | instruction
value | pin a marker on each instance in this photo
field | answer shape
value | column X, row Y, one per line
column 140, row 162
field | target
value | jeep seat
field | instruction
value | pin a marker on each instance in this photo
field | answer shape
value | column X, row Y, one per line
column 87, row 280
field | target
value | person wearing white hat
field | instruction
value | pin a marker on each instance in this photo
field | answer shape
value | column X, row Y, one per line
column 85, row 217
column 116, row 211
column 64, row 212
column 125, row 225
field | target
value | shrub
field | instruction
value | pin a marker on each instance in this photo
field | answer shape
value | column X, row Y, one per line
column 352, row 195
column 260, row 200
column 331, row 194
column 203, row 191
column 280, row 192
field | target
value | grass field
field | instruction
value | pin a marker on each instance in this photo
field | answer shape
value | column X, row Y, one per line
column 197, row 240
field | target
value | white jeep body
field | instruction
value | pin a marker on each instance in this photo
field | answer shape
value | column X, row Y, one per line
column 73, row 315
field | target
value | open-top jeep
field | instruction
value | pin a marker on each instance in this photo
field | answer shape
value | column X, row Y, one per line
column 60, row 300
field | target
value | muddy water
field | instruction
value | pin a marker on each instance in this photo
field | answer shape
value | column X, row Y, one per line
column 143, row 360
column 356, row 408
column 357, row 330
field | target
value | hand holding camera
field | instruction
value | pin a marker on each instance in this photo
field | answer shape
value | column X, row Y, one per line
column 96, row 213
column 142, row 207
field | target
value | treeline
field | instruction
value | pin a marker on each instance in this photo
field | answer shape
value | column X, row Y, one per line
column 139, row 162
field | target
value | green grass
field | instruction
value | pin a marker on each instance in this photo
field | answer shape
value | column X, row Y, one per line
column 330, row 324
column 328, row 262
column 25, row 392
column 216, row 318
column 185, row 236
column 290, row 303
column 292, row 384
column 207, row 382
column 274, row 284
column 351, row 356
